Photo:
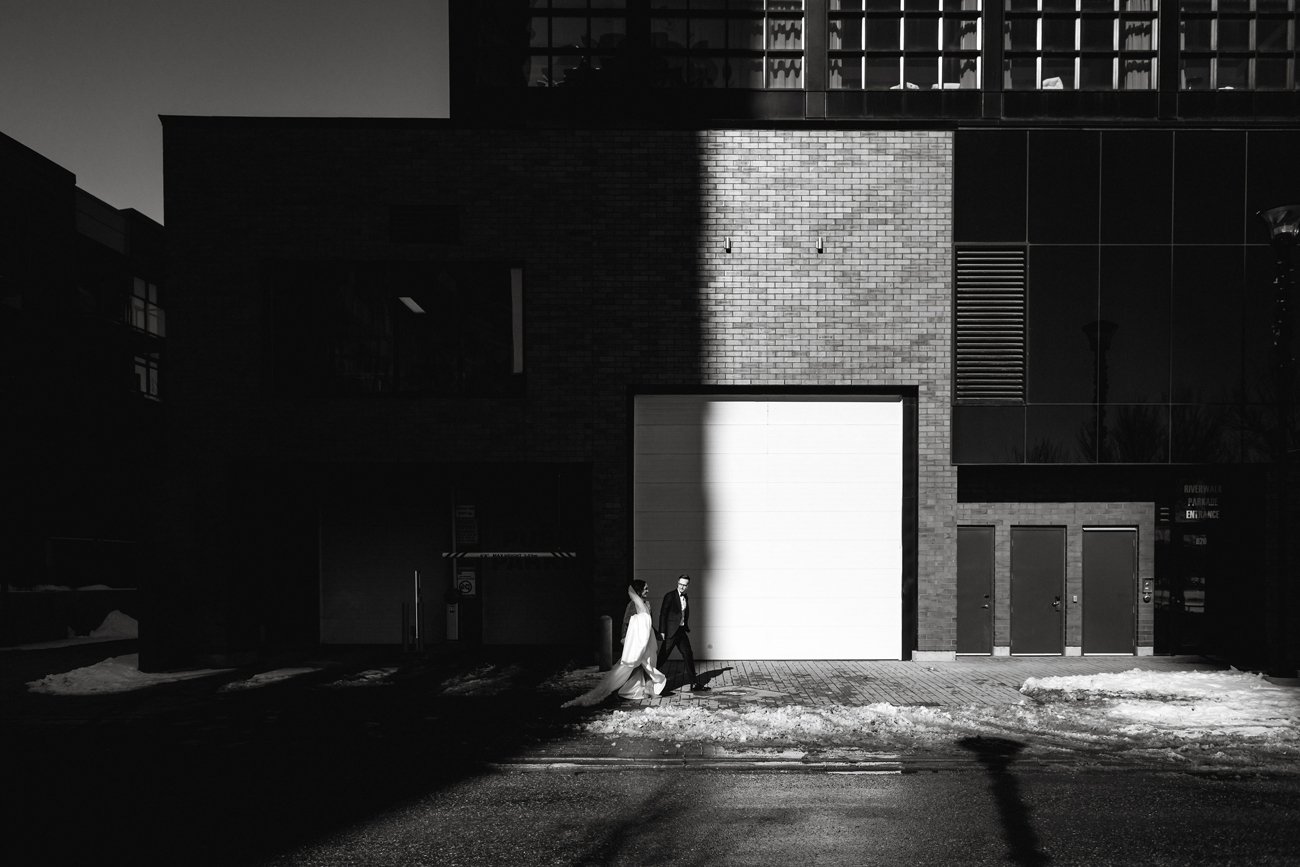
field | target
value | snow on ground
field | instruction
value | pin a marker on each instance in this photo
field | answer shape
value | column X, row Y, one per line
column 486, row 679
column 369, row 677
column 266, row 678
column 1222, row 717
column 116, row 674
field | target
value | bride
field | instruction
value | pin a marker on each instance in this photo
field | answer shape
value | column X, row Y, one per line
column 635, row 675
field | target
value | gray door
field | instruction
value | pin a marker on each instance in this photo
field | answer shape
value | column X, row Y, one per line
column 1109, row 583
column 974, row 589
column 1037, row 584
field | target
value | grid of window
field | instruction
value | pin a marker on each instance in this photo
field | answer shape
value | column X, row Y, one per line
column 575, row 42
column 142, row 310
column 754, row 44
column 904, row 44
column 1080, row 44
column 1237, row 44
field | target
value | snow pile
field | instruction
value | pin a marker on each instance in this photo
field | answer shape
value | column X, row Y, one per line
column 1183, row 710
column 116, row 625
column 882, row 724
column 369, row 677
column 116, row 674
column 1230, row 686
column 265, row 678
column 486, row 679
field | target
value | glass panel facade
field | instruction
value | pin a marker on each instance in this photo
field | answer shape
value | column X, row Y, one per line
column 1147, row 341
column 1079, row 44
column 1237, row 44
column 745, row 44
column 904, row 44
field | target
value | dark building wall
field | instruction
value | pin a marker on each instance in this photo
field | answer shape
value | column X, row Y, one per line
column 621, row 235
column 79, row 440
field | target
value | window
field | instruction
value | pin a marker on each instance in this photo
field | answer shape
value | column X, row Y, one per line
column 754, row 44
column 1080, row 44
column 142, row 310
column 372, row 328
column 575, row 42
column 146, row 374
column 1237, row 44
column 904, row 44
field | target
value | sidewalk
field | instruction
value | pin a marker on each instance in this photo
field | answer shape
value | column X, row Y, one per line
column 981, row 680
column 983, row 683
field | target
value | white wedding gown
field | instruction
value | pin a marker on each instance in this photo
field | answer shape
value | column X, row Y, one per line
column 634, row 675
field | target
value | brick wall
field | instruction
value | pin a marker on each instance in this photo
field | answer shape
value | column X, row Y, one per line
column 627, row 285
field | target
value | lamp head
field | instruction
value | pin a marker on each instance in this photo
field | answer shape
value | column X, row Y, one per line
column 1283, row 224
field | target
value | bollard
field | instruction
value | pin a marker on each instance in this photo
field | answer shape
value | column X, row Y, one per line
column 605, row 642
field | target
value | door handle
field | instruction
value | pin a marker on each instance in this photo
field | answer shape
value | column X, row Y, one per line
column 1057, row 603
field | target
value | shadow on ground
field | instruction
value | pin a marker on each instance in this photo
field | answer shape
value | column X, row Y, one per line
column 997, row 755
column 182, row 774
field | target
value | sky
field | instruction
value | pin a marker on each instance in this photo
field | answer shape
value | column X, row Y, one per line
column 82, row 82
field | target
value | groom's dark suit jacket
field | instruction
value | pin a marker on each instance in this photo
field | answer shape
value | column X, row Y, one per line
column 670, row 614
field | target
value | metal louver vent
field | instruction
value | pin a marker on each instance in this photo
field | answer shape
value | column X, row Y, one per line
column 990, row 340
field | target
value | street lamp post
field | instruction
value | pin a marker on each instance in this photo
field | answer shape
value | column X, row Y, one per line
column 1284, row 232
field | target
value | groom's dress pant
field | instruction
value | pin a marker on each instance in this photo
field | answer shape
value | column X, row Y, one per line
column 681, row 639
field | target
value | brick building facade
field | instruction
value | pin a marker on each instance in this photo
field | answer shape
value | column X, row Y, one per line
column 398, row 340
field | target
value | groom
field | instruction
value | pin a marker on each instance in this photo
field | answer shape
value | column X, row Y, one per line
column 675, row 628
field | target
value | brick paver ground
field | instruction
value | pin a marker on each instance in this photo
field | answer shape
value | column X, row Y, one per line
column 967, row 680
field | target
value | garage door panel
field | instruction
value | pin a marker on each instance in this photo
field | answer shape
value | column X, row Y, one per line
column 668, row 440
column 842, row 643
column 849, row 439
column 755, row 556
column 882, row 494
column 796, row 607
column 758, row 554
column 871, row 495
column 808, row 526
column 820, row 469
column 667, row 469
column 829, row 410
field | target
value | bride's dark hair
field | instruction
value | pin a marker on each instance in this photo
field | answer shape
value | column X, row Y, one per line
column 638, row 585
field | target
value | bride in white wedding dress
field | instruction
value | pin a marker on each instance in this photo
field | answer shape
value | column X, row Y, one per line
column 635, row 675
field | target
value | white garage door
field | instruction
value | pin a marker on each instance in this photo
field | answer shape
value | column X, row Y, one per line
column 786, row 512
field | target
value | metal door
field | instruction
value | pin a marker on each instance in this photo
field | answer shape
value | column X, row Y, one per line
column 974, row 589
column 1037, row 584
column 1109, row 585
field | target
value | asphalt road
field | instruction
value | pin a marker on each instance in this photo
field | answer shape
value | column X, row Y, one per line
column 966, row 815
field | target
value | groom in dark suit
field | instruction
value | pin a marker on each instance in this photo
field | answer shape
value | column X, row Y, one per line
column 675, row 629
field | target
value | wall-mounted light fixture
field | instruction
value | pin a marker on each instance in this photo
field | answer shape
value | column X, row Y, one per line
column 820, row 245
column 727, row 244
